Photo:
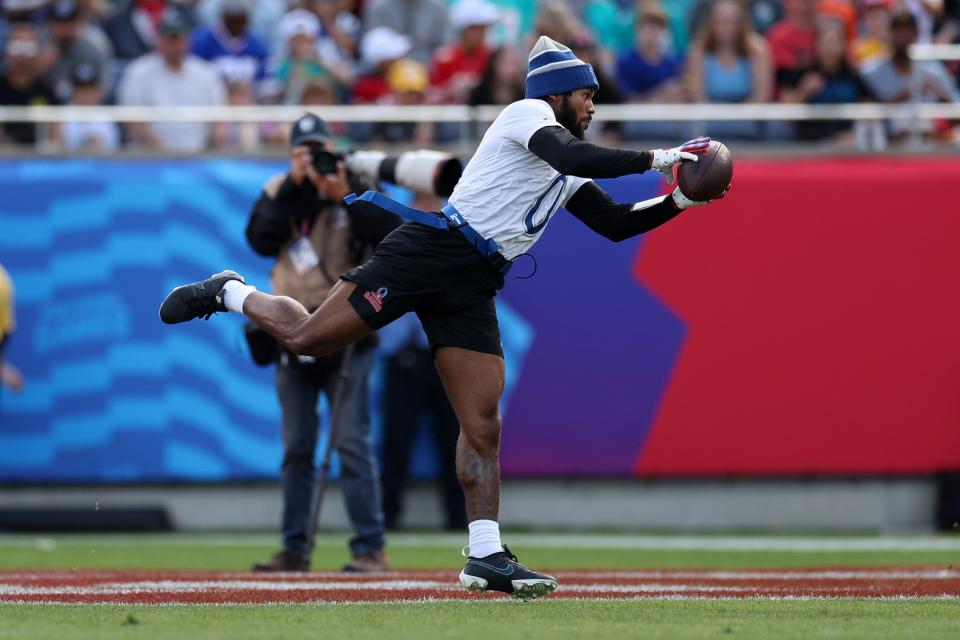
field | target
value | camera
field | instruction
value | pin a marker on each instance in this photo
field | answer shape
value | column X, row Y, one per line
column 424, row 171
column 325, row 162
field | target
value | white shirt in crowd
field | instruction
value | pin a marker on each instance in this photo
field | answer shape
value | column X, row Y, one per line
column 148, row 81
column 91, row 136
column 507, row 193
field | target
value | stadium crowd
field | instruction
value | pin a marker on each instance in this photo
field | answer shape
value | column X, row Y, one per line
column 413, row 52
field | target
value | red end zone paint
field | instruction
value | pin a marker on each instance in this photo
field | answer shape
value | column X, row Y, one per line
column 125, row 587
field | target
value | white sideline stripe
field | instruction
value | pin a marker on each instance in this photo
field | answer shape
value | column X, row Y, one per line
column 562, row 541
column 240, row 586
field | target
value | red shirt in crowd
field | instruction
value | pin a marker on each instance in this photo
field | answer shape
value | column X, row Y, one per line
column 452, row 61
column 370, row 89
column 791, row 46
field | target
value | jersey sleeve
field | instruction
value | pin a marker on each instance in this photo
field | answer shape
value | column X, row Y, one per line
column 525, row 118
column 574, row 183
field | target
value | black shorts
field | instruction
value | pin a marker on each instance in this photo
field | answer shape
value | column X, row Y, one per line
column 439, row 276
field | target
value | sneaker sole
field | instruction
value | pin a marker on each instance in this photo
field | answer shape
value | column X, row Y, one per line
column 522, row 589
column 532, row 589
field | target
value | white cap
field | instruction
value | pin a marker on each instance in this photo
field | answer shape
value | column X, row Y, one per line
column 469, row 13
column 297, row 22
column 383, row 43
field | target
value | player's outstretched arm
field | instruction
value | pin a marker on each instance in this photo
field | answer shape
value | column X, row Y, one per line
column 595, row 208
column 570, row 156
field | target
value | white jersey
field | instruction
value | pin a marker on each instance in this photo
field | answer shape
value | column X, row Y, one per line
column 507, row 193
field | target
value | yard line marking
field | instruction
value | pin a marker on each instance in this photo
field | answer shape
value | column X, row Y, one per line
column 934, row 574
column 477, row 602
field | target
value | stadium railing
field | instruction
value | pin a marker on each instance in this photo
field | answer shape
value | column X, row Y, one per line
column 868, row 118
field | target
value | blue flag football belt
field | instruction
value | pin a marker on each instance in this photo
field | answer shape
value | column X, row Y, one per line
column 450, row 219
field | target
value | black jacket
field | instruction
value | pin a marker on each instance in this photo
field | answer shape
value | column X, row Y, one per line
column 275, row 216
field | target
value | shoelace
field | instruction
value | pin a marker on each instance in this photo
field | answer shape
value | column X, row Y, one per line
column 509, row 554
column 197, row 305
column 465, row 552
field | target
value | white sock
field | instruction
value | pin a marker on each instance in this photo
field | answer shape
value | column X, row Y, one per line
column 234, row 293
column 484, row 538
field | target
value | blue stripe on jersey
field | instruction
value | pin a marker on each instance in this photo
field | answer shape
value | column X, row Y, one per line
column 548, row 57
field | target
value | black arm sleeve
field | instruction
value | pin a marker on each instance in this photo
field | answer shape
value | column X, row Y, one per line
column 561, row 150
column 595, row 208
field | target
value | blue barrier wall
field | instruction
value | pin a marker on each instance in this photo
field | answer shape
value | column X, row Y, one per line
column 112, row 394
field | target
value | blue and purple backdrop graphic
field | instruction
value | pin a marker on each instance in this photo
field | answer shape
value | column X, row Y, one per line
column 114, row 395
column 740, row 339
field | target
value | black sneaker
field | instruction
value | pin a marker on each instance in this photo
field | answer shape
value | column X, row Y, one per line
column 502, row 572
column 198, row 300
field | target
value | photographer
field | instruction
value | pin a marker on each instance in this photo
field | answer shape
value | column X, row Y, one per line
column 299, row 219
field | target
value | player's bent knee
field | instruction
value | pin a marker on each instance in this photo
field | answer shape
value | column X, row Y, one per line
column 483, row 434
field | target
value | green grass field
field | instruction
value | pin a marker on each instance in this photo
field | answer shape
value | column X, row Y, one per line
column 846, row 618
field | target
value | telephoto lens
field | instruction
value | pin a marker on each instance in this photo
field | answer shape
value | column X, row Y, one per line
column 424, row 171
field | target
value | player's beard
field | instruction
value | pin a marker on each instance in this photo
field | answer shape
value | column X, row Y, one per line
column 568, row 118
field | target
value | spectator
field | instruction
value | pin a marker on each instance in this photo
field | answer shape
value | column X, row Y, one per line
column 240, row 136
column 843, row 11
column 17, row 11
column 896, row 78
column 171, row 76
column 132, row 29
column 92, row 13
column 729, row 62
column 408, row 81
column 555, row 20
column 873, row 44
column 100, row 136
column 457, row 67
column 300, row 29
column 502, row 80
column 412, row 390
column 792, row 39
column 648, row 71
column 612, row 22
column 239, row 55
column 264, row 16
column 425, row 22
column 763, row 14
column 926, row 12
column 830, row 80
column 949, row 31
column 21, row 83
column 73, row 48
column 379, row 48
column 339, row 35
column 322, row 93
column 516, row 21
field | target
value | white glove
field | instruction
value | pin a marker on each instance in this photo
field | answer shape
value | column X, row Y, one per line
column 665, row 159
column 683, row 202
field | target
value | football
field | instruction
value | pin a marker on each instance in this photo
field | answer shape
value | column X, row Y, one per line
column 709, row 177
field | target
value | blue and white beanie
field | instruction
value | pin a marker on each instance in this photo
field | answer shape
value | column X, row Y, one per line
column 553, row 69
